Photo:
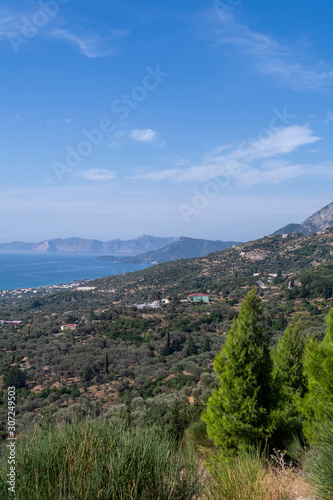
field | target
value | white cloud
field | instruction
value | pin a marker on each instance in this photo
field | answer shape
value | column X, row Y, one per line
column 291, row 63
column 284, row 141
column 245, row 161
column 125, row 135
column 97, row 174
column 143, row 135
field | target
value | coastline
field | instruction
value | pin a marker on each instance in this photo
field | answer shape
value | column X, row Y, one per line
column 46, row 288
column 25, row 274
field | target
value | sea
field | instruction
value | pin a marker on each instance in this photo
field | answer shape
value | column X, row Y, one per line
column 36, row 270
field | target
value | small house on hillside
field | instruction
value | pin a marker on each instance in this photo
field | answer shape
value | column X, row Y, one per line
column 198, row 297
column 69, row 326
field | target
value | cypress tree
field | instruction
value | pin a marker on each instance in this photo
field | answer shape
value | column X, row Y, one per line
column 288, row 361
column 289, row 380
column 238, row 411
column 106, row 364
column 317, row 404
column 167, row 348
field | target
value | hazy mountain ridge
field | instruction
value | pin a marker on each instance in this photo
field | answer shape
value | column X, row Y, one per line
column 182, row 248
column 141, row 244
column 319, row 221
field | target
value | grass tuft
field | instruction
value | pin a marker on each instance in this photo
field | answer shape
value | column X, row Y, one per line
column 93, row 460
column 318, row 462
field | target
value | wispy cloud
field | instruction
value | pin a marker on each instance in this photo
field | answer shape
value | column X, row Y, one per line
column 328, row 118
column 143, row 135
column 97, row 174
column 11, row 22
column 251, row 158
column 290, row 63
column 91, row 45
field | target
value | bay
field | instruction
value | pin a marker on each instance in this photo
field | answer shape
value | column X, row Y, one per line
column 35, row 270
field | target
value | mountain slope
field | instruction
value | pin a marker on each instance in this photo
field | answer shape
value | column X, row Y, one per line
column 141, row 244
column 318, row 221
column 182, row 248
column 223, row 271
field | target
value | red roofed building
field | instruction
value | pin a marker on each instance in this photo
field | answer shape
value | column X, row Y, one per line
column 198, row 297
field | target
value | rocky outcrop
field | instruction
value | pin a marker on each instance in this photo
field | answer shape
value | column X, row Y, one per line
column 319, row 221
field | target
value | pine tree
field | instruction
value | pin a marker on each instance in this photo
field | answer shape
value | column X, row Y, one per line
column 288, row 361
column 87, row 373
column 238, row 411
column 289, row 380
column 14, row 378
column 317, row 403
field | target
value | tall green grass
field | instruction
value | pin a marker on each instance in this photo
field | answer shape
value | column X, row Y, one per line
column 318, row 462
column 94, row 460
column 237, row 477
column 196, row 436
column 247, row 476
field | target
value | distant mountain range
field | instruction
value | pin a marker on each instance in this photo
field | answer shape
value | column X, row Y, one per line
column 181, row 248
column 144, row 249
column 319, row 221
column 151, row 249
column 141, row 244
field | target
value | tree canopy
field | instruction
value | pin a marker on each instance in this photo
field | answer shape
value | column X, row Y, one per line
column 238, row 411
column 317, row 404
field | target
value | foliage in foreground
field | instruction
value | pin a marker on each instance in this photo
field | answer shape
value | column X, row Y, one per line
column 91, row 460
column 249, row 475
column 239, row 410
column 318, row 464
column 317, row 403
column 197, row 438
column 289, row 381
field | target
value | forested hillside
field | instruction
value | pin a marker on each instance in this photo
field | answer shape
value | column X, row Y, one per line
column 115, row 351
column 155, row 351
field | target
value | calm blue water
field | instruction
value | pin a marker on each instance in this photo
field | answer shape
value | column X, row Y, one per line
column 30, row 270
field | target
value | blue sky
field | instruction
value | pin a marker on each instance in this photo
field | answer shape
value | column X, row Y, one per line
column 209, row 119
